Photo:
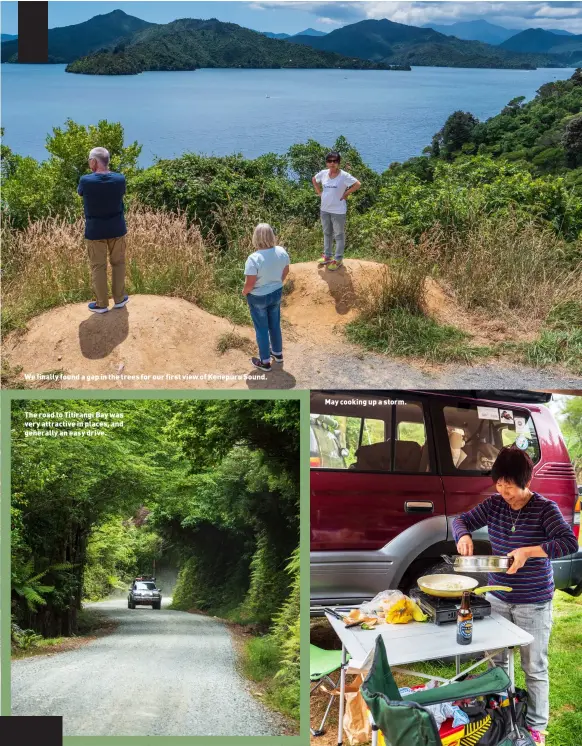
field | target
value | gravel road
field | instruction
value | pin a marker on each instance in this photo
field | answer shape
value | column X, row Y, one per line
column 161, row 673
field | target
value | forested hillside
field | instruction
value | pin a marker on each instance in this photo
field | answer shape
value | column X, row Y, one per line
column 188, row 44
column 398, row 43
column 545, row 133
column 207, row 490
column 67, row 43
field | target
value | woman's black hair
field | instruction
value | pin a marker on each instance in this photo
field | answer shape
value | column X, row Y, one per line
column 512, row 465
column 333, row 154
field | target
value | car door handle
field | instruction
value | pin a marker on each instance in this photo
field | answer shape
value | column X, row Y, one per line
column 419, row 506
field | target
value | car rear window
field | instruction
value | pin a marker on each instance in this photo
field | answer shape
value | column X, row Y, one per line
column 477, row 433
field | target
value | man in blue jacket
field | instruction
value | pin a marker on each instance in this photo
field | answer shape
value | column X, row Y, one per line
column 102, row 192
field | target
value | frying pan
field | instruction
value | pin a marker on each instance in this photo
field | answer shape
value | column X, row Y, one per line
column 479, row 563
column 436, row 585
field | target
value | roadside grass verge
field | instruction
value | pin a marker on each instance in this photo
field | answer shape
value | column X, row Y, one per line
column 565, row 665
column 560, row 341
column 261, row 659
column 91, row 625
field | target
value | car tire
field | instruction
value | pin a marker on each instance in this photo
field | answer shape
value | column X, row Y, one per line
column 157, row 606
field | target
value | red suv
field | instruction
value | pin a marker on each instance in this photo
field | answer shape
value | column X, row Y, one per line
column 391, row 469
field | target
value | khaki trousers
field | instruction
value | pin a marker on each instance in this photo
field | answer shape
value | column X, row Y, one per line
column 97, row 251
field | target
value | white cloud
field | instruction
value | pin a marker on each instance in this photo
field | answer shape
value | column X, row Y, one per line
column 518, row 15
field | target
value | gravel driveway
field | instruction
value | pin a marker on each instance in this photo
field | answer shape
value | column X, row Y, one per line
column 160, row 673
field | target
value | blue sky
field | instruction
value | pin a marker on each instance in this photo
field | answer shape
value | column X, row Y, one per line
column 291, row 16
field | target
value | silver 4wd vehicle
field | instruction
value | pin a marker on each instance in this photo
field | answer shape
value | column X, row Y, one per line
column 143, row 592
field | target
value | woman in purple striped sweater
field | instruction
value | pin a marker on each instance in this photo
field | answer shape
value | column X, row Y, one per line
column 531, row 529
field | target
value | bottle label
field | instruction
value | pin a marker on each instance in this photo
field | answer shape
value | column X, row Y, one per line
column 465, row 630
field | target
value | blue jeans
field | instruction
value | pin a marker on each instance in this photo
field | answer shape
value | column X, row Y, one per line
column 266, row 315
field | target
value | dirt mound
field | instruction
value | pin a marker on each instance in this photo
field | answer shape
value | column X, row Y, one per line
column 319, row 298
column 152, row 336
column 316, row 297
column 162, row 342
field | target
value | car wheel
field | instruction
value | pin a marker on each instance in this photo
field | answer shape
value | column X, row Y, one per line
column 157, row 606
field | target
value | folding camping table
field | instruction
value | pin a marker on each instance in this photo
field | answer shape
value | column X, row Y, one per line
column 424, row 641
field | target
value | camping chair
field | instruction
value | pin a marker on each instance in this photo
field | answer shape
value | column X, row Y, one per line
column 321, row 664
column 404, row 721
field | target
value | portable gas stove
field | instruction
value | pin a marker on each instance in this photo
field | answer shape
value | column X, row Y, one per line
column 443, row 610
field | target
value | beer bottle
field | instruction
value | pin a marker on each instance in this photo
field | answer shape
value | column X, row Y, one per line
column 465, row 620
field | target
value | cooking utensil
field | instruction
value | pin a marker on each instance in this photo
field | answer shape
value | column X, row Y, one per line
column 479, row 563
column 333, row 613
column 453, row 586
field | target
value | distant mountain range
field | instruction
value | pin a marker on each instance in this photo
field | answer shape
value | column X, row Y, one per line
column 8, row 37
column 189, row 44
column 568, row 48
column 117, row 43
column 397, row 43
column 481, row 30
column 68, row 43
column 307, row 32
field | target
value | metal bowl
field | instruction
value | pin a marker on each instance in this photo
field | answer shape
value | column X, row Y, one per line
column 479, row 563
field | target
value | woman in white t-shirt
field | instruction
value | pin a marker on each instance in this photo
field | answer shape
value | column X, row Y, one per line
column 333, row 186
column 265, row 271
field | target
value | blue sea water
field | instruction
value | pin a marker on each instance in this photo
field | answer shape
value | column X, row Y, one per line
column 388, row 116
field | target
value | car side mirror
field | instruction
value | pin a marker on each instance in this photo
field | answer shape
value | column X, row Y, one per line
column 160, row 589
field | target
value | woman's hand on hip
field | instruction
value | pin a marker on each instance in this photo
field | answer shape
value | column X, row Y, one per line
column 465, row 546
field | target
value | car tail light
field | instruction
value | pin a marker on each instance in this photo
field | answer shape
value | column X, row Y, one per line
column 576, row 523
column 314, row 461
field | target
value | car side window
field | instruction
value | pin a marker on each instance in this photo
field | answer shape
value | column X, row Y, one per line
column 477, row 433
column 364, row 440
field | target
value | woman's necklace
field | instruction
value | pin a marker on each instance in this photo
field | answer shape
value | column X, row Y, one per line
column 516, row 520
column 514, row 524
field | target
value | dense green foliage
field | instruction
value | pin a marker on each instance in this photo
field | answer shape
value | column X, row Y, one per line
column 397, row 43
column 543, row 135
column 188, row 44
column 67, row 43
column 206, row 488
column 571, row 426
column 32, row 190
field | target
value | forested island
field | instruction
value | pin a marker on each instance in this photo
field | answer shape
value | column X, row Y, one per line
column 189, row 44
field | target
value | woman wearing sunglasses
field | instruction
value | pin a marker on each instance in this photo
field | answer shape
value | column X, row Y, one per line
column 333, row 186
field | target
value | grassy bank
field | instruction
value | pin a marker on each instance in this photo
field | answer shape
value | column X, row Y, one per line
column 565, row 663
